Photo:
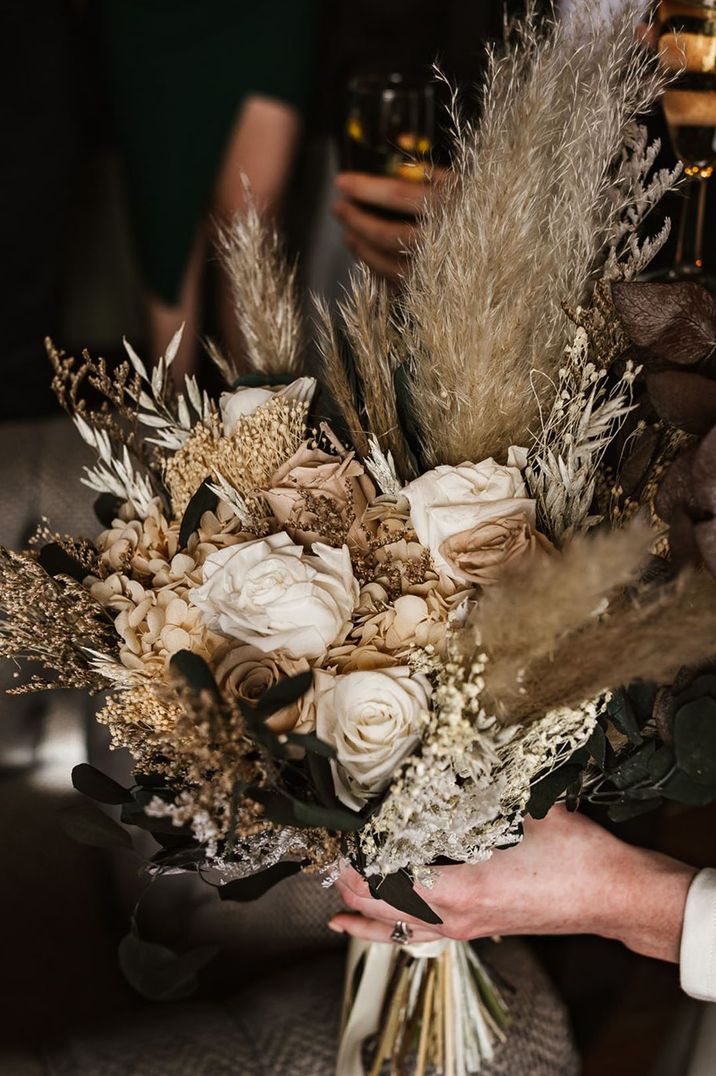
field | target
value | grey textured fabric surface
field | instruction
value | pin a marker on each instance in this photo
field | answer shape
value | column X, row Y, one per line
column 287, row 1025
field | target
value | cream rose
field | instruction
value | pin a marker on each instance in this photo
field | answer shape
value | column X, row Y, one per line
column 245, row 401
column 312, row 479
column 451, row 501
column 272, row 594
column 373, row 720
column 246, row 673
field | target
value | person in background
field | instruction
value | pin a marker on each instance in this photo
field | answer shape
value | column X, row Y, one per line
column 203, row 94
column 407, row 36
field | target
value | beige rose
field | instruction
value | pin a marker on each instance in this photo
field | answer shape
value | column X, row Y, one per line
column 314, row 488
column 373, row 719
column 482, row 553
column 449, row 501
column 247, row 674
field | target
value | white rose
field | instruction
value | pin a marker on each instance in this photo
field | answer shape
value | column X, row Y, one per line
column 272, row 594
column 451, row 500
column 373, row 720
column 245, row 401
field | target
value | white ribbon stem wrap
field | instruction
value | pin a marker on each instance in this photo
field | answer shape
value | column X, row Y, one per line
column 470, row 1028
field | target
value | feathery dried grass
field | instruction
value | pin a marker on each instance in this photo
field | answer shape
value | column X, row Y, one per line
column 335, row 376
column 652, row 640
column 371, row 334
column 264, row 292
column 560, row 632
column 520, row 229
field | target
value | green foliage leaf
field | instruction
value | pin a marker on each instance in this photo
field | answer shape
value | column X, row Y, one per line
column 404, row 405
column 106, row 508
column 683, row 789
column 398, row 891
column 635, row 767
column 98, row 786
column 57, row 561
column 311, row 744
column 204, row 500
column 283, row 694
column 260, row 381
column 87, row 824
column 132, row 814
column 286, row 810
column 159, row 974
column 621, row 714
column 195, row 671
column 622, row 812
column 597, row 746
column 695, row 740
column 253, row 887
column 546, row 790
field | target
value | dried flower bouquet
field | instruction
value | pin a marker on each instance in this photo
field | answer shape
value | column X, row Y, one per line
column 380, row 615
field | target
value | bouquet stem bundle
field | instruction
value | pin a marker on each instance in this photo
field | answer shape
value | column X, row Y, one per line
column 432, row 1004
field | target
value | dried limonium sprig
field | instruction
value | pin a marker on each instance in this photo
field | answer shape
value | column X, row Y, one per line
column 50, row 620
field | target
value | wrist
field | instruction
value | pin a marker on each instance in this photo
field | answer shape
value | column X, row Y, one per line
column 647, row 898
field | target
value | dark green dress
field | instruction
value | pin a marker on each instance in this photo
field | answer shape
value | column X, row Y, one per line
column 178, row 72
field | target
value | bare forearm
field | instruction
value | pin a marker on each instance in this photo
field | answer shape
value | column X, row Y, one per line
column 645, row 909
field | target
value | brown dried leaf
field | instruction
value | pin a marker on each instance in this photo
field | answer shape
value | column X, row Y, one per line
column 667, row 323
column 683, row 399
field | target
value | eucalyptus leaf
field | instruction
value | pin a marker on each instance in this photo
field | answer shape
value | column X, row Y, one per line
column 265, row 380
column 98, row 786
column 288, row 811
column 87, row 824
column 132, row 814
column 622, row 812
column 311, row 743
column 621, row 714
column 106, row 508
column 57, row 561
column 158, row 973
column 283, row 694
column 695, row 740
column 683, row 789
column 204, row 500
column 398, row 891
column 195, row 671
column 635, row 767
column 597, row 746
column 253, row 887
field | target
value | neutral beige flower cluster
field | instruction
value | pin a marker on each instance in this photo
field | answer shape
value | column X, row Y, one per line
column 149, row 584
column 310, row 569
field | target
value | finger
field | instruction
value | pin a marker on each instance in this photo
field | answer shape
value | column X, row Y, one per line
column 392, row 268
column 400, row 195
column 375, row 930
column 393, row 237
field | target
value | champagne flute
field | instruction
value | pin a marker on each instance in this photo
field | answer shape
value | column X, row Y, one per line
column 687, row 44
column 389, row 128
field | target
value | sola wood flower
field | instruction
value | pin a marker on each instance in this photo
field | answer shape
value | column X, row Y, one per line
column 318, row 497
column 274, row 595
column 149, row 584
column 373, row 719
column 247, row 673
column 449, row 505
